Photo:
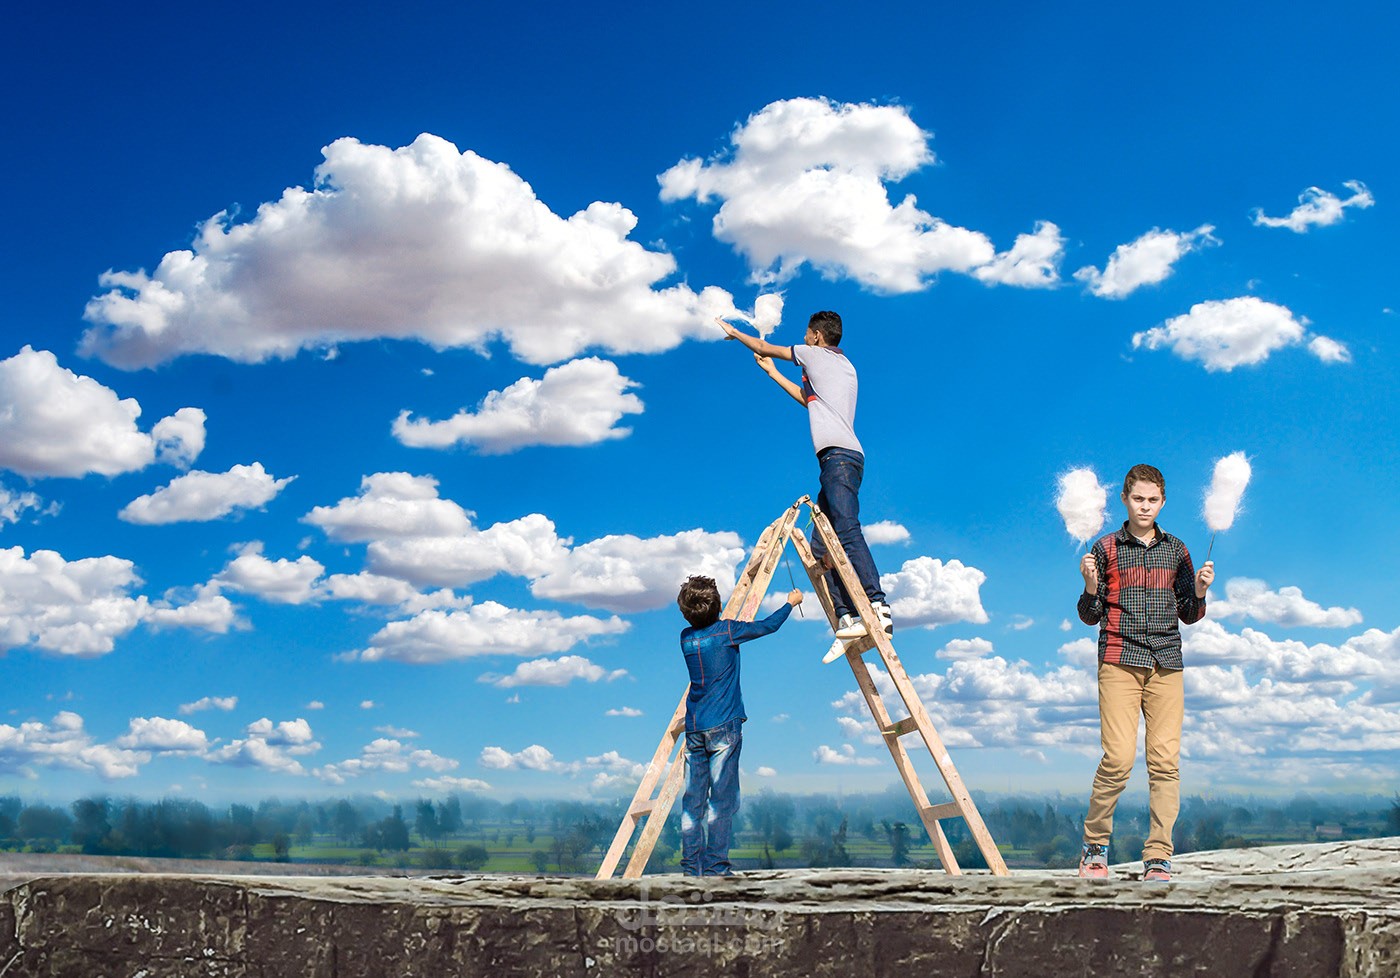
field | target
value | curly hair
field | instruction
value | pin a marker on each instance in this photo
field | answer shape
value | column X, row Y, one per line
column 1144, row 473
column 699, row 601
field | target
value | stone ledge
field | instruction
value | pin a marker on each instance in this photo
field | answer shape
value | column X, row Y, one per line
column 1307, row 923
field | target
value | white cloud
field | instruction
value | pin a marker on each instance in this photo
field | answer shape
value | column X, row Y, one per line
column 928, row 592
column 1329, row 350
column 13, row 504
column 628, row 573
column 420, row 242
column 766, row 772
column 391, row 504
column 272, row 747
column 54, row 422
column 578, row 403
column 1065, row 625
column 398, row 733
column 203, row 608
column 281, row 581
column 613, row 767
column 1249, row 598
column 553, row 672
column 625, row 711
column 846, row 755
column 225, row 703
column 965, row 648
column 452, row 784
column 885, row 531
column 1318, row 208
column 1033, row 261
column 487, row 628
column 180, row 437
column 384, row 754
column 1146, row 261
column 203, row 496
column 315, row 705
column 160, row 735
column 1229, row 333
column 805, row 184
column 81, row 607
column 366, row 704
column 63, row 743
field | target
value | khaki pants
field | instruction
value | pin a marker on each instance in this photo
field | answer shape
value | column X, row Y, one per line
column 1125, row 692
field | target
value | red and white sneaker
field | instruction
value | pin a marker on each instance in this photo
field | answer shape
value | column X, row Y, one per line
column 1156, row 870
column 1093, row 863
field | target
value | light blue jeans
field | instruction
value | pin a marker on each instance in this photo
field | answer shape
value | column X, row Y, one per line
column 711, row 798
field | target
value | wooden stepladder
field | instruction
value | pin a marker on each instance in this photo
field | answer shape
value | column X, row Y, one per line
column 651, row 804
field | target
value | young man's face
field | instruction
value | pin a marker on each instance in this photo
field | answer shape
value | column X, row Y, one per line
column 1144, row 501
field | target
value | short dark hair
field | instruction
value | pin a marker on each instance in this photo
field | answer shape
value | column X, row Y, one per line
column 699, row 601
column 828, row 324
column 1144, row 473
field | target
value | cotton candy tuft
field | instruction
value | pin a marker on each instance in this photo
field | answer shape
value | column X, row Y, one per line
column 1083, row 503
column 1226, row 490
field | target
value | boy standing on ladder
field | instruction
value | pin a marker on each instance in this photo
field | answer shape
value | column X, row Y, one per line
column 1138, row 582
column 828, row 392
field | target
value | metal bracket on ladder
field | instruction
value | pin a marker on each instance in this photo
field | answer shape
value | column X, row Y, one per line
column 652, row 805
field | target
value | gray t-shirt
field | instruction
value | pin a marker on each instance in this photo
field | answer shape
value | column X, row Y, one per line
column 829, row 385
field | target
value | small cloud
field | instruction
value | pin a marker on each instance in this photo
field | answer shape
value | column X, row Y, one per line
column 886, row 531
column 845, row 756
column 513, row 698
column 1146, row 261
column 782, row 718
column 1317, row 208
column 315, row 705
column 766, row 772
column 965, row 648
column 1065, row 625
column 1021, row 623
column 553, row 672
column 625, row 711
column 398, row 733
column 1224, row 334
column 366, row 704
column 452, row 784
column 224, row 703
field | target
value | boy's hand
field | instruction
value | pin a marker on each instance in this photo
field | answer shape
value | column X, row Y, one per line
column 794, row 597
column 765, row 364
column 730, row 332
column 1204, row 577
column 1089, row 568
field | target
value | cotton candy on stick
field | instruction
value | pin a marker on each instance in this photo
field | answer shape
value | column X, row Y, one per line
column 1083, row 503
column 1227, row 487
column 767, row 313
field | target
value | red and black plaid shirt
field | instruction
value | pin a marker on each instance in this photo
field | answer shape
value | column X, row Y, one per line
column 1142, row 592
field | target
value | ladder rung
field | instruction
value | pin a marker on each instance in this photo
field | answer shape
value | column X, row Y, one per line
column 642, row 808
column 901, row 727
column 947, row 810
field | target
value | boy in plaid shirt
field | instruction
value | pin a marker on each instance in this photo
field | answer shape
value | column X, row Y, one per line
column 1138, row 582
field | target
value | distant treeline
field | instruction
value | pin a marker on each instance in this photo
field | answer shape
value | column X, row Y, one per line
column 774, row 830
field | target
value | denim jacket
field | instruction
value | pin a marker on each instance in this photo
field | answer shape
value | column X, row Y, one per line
column 712, row 656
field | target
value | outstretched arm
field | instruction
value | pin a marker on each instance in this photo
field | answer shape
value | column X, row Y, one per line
column 779, row 378
column 760, row 346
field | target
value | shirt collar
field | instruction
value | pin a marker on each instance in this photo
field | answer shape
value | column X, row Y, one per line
column 1124, row 534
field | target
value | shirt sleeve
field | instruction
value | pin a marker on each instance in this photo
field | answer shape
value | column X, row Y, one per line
column 1091, row 606
column 743, row 631
column 799, row 352
column 1189, row 608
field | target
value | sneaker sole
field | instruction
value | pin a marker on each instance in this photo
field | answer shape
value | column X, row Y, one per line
column 837, row 650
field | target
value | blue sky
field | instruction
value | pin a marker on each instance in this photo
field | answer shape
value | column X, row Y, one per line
column 360, row 407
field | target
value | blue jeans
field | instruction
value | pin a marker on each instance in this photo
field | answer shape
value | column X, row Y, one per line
column 842, row 470
column 711, row 798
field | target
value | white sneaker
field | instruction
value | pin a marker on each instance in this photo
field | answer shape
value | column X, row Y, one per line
column 882, row 611
column 837, row 650
column 849, row 626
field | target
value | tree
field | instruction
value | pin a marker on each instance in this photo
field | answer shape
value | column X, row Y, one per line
column 472, row 857
column 771, row 817
column 429, row 829
column 44, row 823
column 394, row 831
column 449, row 816
column 1393, row 816
column 281, row 847
column 898, row 836
column 345, row 821
column 90, row 825
column 541, row 860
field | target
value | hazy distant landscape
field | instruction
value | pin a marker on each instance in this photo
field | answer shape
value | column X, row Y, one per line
column 476, row 834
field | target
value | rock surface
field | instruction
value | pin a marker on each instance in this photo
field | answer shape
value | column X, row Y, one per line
column 1284, row 912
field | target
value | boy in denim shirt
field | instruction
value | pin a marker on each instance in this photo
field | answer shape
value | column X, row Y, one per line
column 714, row 713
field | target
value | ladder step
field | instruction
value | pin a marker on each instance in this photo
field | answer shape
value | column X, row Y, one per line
column 642, row 808
column 901, row 727
column 947, row 810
